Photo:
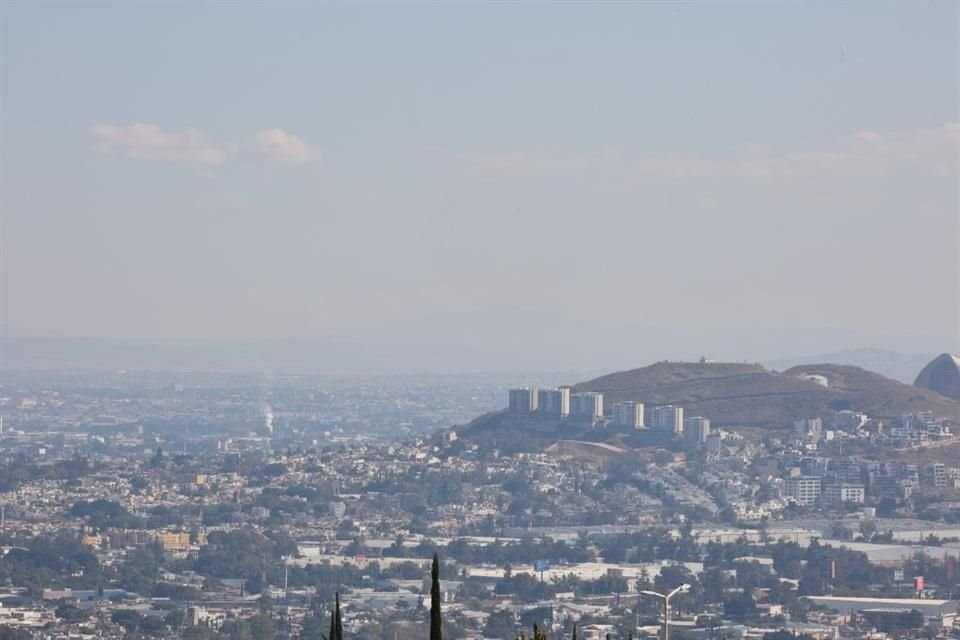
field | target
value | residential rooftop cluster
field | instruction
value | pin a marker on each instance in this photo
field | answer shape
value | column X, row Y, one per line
column 187, row 510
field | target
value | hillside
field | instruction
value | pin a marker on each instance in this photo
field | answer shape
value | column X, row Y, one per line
column 902, row 367
column 514, row 434
column 748, row 395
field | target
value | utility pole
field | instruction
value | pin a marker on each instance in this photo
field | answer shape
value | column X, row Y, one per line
column 636, row 618
column 666, row 605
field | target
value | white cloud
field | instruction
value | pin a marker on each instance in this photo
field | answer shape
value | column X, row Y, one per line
column 865, row 154
column 150, row 142
column 933, row 151
column 278, row 145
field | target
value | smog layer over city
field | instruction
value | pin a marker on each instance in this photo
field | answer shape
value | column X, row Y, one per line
column 480, row 320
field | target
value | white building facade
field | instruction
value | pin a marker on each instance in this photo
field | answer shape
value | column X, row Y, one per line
column 697, row 428
column 628, row 414
column 523, row 400
column 554, row 403
column 587, row 405
column 667, row 418
column 804, row 490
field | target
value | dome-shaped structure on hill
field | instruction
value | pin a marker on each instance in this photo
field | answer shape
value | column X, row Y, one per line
column 815, row 378
column 942, row 375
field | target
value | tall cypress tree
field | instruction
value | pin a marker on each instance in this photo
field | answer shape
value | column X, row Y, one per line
column 333, row 625
column 574, row 636
column 339, row 622
column 538, row 633
column 436, row 633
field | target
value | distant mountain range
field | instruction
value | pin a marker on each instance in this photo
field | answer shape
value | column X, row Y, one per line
column 497, row 339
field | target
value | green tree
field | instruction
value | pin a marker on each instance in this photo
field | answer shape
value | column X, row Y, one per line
column 71, row 613
column 887, row 508
column 715, row 583
column 672, row 576
column 740, row 606
column 106, row 513
column 500, row 624
column 262, row 627
column 175, row 618
column 787, row 559
column 127, row 618
column 312, row 628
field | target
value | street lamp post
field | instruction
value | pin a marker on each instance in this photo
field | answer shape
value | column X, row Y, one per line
column 666, row 605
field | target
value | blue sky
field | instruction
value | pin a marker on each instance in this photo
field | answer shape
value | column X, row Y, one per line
column 254, row 171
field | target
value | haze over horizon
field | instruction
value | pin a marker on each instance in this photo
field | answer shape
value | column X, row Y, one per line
column 429, row 187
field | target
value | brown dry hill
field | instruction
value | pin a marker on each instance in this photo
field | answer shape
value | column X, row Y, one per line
column 734, row 394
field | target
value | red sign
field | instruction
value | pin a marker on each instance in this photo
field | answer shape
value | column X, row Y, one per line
column 918, row 583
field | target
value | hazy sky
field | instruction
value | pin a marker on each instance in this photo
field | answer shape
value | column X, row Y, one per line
column 242, row 171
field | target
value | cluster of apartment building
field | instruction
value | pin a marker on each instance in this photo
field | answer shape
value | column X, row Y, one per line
column 829, row 481
column 910, row 431
column 809, row 490
column 917, row 429
column 563, row 403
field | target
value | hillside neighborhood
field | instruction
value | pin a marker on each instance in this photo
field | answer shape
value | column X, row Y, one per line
column 122, row 517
